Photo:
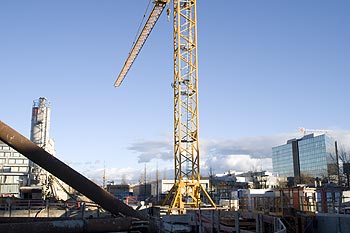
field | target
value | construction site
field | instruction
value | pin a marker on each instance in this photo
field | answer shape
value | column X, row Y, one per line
column 90, row 208
column 53, row 197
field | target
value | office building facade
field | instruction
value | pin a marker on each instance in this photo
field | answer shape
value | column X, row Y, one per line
column 309, row 156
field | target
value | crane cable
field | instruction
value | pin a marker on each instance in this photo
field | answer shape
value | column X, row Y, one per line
column 141, row 23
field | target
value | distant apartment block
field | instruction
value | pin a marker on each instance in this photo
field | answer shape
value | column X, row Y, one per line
column 310, row 156
column 119, row 190
column 14, row 171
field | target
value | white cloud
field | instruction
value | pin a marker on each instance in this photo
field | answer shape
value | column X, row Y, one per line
column 153, row 149
column 131, row 175
column 343, row 138
column 256, row 147
column 240, row 163
column 241, row 154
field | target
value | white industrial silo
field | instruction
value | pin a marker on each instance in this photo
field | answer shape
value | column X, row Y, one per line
column 40, row 128
column 40, row 135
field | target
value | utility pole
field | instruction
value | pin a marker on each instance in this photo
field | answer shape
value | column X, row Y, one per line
column 104, row 175
column 145, row 180
column 157, row 185
column 337, row 158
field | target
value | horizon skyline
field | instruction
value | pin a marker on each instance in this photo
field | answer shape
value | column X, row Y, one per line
column 255, row 163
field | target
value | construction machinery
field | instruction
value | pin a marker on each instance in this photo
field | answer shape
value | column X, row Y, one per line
column 187, row 190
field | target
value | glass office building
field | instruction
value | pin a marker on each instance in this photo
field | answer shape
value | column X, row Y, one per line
column 312, row 156
column 315, row 154
column 282, row 160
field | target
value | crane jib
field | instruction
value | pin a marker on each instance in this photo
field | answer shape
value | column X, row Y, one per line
column 151, row 21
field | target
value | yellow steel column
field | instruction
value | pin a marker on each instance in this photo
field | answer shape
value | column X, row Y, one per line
column 187, row 188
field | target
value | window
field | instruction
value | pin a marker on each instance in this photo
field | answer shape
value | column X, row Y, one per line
column 12, row 161
column 23, row 169
column 19, row 161
column 5, row 148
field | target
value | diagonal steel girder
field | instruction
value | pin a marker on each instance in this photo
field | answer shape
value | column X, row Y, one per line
column 65, row 173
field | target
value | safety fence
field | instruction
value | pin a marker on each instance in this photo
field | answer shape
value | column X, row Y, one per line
column 234, row 221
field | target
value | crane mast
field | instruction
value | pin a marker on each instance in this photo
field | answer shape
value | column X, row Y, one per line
column 187, row 189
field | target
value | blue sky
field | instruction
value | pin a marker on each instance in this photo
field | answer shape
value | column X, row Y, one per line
column 266, row 68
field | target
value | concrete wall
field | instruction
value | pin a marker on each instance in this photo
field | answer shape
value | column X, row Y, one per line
column 333, row 223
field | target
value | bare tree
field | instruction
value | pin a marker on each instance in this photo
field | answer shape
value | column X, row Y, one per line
column 124, row 182
column 164, row 174
column 142, row 178
column 340, row 158
column 344, row 156
column 149, row 178
column 282, row 182
column 306, row 178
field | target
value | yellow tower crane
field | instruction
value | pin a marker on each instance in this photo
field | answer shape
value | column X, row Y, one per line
column 187, row 189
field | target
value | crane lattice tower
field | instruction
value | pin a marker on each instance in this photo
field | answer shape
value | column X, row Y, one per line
column 187, row 188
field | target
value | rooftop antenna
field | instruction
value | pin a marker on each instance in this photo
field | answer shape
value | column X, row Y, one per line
column 304, row 131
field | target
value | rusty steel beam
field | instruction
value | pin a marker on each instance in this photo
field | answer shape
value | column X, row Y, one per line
column 72, row 226
column 65, row 173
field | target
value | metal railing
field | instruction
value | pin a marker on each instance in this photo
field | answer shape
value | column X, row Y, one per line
column 43, row 208
column 279, row 226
